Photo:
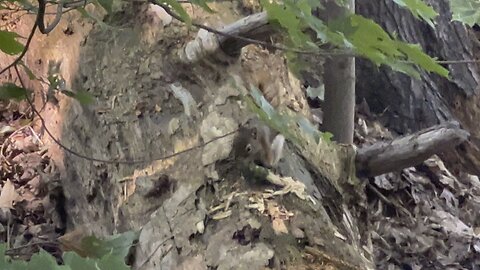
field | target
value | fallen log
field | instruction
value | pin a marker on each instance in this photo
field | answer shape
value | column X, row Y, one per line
column 410, row 150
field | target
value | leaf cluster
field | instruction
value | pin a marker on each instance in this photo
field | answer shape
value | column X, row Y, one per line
column 354, row 33
column 97, row 254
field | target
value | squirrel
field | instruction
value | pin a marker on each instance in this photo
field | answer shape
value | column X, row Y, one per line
column 256, row 143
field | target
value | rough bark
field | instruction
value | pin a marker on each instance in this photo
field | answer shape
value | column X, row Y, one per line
column 408, row 104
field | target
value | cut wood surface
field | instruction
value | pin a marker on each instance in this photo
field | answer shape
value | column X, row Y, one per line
column 253, row 29
column 410, row 150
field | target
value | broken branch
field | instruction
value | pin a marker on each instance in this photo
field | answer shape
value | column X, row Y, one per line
column 410, row 150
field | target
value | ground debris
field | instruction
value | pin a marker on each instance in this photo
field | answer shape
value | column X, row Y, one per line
column 423, row 217
column 28, row 200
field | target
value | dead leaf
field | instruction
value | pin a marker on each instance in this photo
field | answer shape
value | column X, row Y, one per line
column 6, row 130
column 278, row 215
column 8, row 195
column 279, row 226
column 72, row 241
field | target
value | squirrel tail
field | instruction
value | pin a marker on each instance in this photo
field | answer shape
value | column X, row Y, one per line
column 277, row 148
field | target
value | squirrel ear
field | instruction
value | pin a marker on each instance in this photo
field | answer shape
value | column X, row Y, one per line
column 277, row 148
column 254, row 133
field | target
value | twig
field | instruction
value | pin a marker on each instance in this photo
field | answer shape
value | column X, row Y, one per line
column 12, row 251
column 468, row 61
column 387, row 201
column 41, row 15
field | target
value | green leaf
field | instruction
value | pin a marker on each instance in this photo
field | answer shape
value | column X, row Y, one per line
column 118, row 244
column 368, row 39
column 19, row 265
column 327, row 136
column 29, row 72
column 76, row 262
column 286, row 17
column 114, row 250
column 84, row 97
column 419, row 9
column 465, row 11
column 354, row 33
column 44, row 261
column 415, row 54
column 202, row 4
column 11, row 91
column 106, row 4
column 69, row 93
column 318, row 92
column 177, row 7
column 87, row 15
column 111, row 261
column 8, row 44
column 3, row 261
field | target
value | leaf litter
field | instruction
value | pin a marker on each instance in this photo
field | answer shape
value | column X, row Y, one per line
column 425, row 217
column 28, row 194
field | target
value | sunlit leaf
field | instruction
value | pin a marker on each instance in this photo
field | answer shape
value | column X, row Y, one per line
column 8, row 44
column 203, row 4
column 11, row 91
column 354, row 34
column 419, row 9
column 465, row 11
column 284, row 16
column 368, row 39
column 84, row 97
column 106, row 4
column 27, row 70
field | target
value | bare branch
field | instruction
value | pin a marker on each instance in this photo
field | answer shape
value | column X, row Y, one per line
column 410, row 150
column 41, row 17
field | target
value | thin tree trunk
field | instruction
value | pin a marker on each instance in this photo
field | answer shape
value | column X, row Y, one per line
column 339, row 80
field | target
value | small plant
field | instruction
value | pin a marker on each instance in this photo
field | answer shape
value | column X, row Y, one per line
column 90, row 254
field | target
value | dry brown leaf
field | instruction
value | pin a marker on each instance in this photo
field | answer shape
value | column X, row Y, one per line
column 278, row 215
column 8, row 195
column 72, row 241
column 279, row 226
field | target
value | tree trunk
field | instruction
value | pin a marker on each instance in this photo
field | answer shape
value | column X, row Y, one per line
column 408, row 104
column 195, row 209
column 339, row 80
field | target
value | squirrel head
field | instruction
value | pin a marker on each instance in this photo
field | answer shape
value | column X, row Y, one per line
column 256, row 144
